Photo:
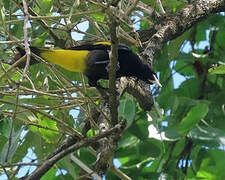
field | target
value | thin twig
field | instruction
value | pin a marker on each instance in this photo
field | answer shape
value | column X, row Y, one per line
column 12, row 67
column 143, row 18
column 5, row 171
column 12, row 128
column 158, row 2
column 28, row 123
column 132, row 7
column 79, row 90
column 146, row 9
column 53, row 17
column 119, row 173
column 60, row 122
column 26, row 44
column 48, row 163
column 85, row 167
column 19, row 164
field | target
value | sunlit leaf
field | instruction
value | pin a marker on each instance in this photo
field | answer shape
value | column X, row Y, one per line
column 46, row 129
column 218, row 70
column 212, row 165
column 193, row 117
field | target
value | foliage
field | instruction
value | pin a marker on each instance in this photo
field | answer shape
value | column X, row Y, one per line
column 183, row 137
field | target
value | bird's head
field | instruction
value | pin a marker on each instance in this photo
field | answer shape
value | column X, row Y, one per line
column 149, row 75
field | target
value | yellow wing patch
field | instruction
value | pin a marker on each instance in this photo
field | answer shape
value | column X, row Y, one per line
column 73, row 60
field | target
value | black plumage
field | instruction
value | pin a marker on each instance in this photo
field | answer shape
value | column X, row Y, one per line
column 96, row 62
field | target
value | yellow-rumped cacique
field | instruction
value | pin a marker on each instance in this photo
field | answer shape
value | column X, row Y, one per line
column 93, row 61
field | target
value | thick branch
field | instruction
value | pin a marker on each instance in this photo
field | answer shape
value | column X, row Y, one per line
column 140, row 91
column 169, row 27
column 174, row 25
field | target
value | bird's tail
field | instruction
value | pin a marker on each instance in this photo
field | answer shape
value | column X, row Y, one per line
column 73, row 60
column 21, row 52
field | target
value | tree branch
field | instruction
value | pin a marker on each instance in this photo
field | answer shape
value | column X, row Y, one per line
column 113, row 103
column 51, row 160
column 85, row 167
column 140, row 91
column 171, row 26
column 27, row 49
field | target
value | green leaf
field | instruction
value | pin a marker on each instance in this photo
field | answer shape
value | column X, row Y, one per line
column 185, row 57
column 3, row 140
column 184, row 68
column 5, row 127
column 45, row 6
column 127, row 109
column 162, row 64
column 68, row 165
column 193, row 117
column 44, row 100
column 15, row 76
column 212, row 165
column 49, row 135
column 175, row 45
column 90, row 133
column 168, row 100
column 99, row 17
column 39, row 42
column 201, row 32
column 140, row 129
column 220, row 39
column 171, row 134
column 2, row 14
column 183, row 108
column 50, row 174
column 218, row 70
column 178, row 147
column 38, row 144
column 162, row 61
column 14, row 144
column 17, row 30
column 173, row 5
column 150, row 148
column 208, row 136
column 189, row 88
column 127, row 147
column 168, row 84
column 128, row 140
column 86, row 156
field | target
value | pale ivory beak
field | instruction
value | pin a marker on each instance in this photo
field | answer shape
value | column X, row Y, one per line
column 156, row 81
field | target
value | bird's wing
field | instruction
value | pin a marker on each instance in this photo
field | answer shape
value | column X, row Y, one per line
column 99, row 46
column 91, row 47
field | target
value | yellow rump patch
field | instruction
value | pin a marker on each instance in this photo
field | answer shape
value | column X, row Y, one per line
column 105, row 43
column 73, row 60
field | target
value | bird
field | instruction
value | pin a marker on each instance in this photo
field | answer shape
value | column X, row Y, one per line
column 92, row 59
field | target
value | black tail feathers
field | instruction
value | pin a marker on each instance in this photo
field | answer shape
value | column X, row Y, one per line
column 21, row 52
